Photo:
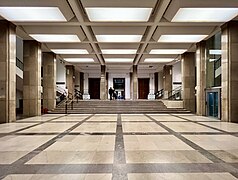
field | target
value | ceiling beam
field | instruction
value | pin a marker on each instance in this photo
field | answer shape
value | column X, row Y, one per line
column 78, row 13
column 163, row 4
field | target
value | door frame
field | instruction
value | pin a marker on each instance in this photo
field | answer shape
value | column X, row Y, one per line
column 218, row 90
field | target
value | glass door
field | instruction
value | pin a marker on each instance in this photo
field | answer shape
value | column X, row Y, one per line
column 213, row 103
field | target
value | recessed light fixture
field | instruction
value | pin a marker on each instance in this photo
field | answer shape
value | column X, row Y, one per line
column 205, row 14
column 158, row 60
column 55, row 37
column 181, row 38
column 32, row 14
column 119, row 38
column 119, row 60
column 79, row 60
column 70, row 51
column 119, row 51
column 110, row 14
column 168, row 51
column 215, row 52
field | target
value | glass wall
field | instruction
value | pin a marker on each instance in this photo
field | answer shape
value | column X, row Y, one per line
column 213, row 65
column 213, row 76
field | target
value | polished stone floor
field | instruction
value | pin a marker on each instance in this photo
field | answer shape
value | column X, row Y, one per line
column 120, row 147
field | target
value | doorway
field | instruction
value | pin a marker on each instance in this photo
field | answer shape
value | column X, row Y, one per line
column 143, row 87
column 94, row 88
column 119, row 87
column 213, row 103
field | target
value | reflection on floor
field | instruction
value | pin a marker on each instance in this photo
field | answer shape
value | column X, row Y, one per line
column 119, row 146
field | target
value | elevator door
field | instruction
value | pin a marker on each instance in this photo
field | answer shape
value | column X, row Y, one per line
column 94, row 88
column 213, row 103
column 143, row 88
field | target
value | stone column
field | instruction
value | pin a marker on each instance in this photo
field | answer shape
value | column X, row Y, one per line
column 103, row 83
column 188, row 81
column 167, row 73
column 49, row 80
column 229, row 72
column 135, row 83
column 201, row 78
column 77, row 80
column 156, row 81
column 81, row 82
column 160, row 80
column 7, row 72
column 131, row 85
column 70, row 78
column 32, row 78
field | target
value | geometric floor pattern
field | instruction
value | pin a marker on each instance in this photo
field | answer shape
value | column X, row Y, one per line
column 119, row 147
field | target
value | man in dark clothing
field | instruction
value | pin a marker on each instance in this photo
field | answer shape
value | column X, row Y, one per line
column 111, row 92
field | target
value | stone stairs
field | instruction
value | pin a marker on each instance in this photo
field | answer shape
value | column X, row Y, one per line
column 117, row 106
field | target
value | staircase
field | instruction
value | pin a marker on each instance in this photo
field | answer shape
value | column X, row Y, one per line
column 117, row 106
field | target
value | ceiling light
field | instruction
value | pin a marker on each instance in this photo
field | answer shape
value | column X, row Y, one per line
column 205, row 14
column 212, row 60
column 70, row 51
column 40, row 14
column 215, row 52
column 79, row 60
column 118, row 14
column 118, row 38
column 55, row 37
column 119, row 51
column 181, row 38
column 158, row 60
column 168, row 51
column 120, row 60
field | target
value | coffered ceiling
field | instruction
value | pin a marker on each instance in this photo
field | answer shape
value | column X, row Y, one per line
column 118, row 33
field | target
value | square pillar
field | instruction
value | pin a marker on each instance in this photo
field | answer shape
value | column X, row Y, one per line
column 103, row 83
column 32, row 78
column 168, row 80
column 70, row 78
column 229, row 72
column 188, row 81
column 201, row 78
column 134, row 83
column 7, row 72
column 49, row 80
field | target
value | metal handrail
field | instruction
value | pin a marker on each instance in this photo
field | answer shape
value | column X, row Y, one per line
column 176, row 93
column 159, row 94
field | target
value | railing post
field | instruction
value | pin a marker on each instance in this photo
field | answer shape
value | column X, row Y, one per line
column 66, row 108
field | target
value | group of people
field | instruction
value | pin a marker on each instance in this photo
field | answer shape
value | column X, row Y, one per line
column 112, row 93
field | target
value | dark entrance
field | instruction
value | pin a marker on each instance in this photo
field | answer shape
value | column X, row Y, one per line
column 213, row 102
column 143, row 88
column 119, row 86
column 94, row 88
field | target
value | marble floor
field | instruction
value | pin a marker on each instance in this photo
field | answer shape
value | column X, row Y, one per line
column 119, row 147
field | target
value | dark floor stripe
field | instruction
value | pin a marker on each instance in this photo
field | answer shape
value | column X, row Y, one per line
column 17, row 164
column 196, row 122
column 204, row 152
column 122, row 169
column 34, row 125
column 119, row 163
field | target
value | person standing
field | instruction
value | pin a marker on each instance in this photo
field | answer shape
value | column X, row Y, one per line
column 111, row 92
